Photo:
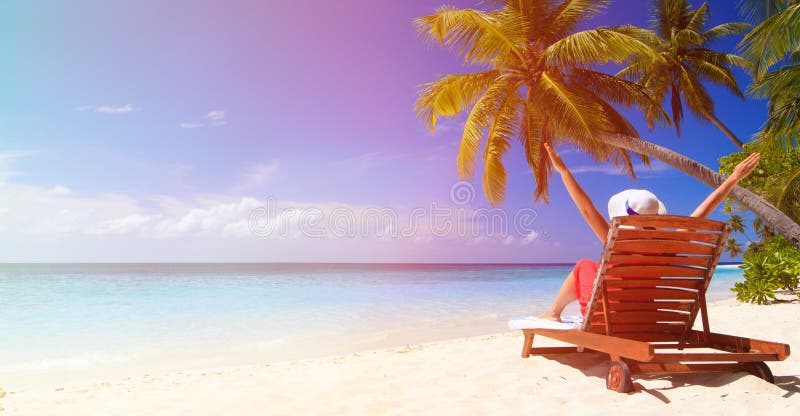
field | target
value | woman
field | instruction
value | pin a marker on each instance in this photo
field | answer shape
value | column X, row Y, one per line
column 579, row 283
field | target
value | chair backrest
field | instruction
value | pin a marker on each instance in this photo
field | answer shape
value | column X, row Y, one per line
column 653, row 277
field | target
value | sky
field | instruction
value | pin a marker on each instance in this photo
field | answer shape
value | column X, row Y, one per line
column 267, row 131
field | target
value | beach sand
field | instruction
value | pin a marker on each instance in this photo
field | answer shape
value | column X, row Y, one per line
column 467, row 376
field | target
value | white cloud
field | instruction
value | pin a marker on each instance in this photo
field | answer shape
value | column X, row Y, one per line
column 220, row 218
column 531, row 237
column 127, row 108
column 108, row 109
column 217, row 117
column 123, row 225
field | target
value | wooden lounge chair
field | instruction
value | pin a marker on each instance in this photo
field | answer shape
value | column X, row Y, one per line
column 650, row 288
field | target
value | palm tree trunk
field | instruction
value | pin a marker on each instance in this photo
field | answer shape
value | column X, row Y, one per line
column 766, row 211
column 715, row 121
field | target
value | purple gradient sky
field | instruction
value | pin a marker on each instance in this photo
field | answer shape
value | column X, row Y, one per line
column 108, row 152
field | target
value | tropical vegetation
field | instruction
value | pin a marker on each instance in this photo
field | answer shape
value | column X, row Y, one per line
column 768, row 267
column 680, row 38
column 775, row 41
column 773, row 49
column 540, row 85
column 770, row 262
column 538, row 81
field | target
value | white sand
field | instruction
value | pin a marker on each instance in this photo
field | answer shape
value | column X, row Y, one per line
column 468, row 376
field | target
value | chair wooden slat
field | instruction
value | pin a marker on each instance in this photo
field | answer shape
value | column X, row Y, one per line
column 671, row 222
column 673, row 328
column 638, row 234
column 650, row 270
column 662, row 247
column 647, row 317
column 702, row 261
column 651, row 306
column 650, row 294
column 649, row 283
column 647, row 336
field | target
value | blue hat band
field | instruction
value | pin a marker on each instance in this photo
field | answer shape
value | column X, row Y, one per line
column 629, row 210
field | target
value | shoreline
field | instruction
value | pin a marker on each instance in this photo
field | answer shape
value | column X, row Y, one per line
column 461, row 373
column 94, row 364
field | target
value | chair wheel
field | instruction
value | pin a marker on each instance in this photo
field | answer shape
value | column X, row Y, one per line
column 619, row 377
column 760, row 370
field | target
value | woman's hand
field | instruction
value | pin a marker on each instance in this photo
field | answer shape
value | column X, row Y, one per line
column 745, row 167
column 715, row 198
column 558, row 164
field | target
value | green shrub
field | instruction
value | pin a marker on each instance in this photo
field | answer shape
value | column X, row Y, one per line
column 771, row 266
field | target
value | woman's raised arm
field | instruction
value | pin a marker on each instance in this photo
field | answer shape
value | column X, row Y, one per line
column 590, row 213
column 718, row 195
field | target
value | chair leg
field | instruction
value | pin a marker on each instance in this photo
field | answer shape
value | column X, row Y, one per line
column 527, row 345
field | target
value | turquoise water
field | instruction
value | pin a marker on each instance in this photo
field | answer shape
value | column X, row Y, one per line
column 82, row 314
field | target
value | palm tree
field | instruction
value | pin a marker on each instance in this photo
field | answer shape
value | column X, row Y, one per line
column 776, row 36
column 732, row 247
column 681, row 40
column 775, row 40
column 539, row 85
column 737, row 226
column 737, row 223
column 536, row 83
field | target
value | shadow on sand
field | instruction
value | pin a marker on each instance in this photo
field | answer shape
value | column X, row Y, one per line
column 596, row 365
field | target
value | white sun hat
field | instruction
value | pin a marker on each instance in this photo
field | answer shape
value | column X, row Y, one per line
column 635, row 202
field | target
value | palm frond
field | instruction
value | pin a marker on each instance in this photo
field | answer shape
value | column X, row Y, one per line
column 498, row 141
column 677, row 107
column 782, row 128
column 622, row 92
column 578, row 116
column 769, row 42
column 697, row 18
column 575, row 112
column 598, row 46
column 636, row 69
column 777, row 85
column 725, row 30
column 564, row 18
column 715, row 74
column 535, row 13
column 530, row 137
column 668, row 15
column 695, row 94
column 759, row 10
column 479, row 36
column 483, row 111
column 451, row 94
column 544, row 167
column 718, row 58
column 789, row 199
column 685, row 38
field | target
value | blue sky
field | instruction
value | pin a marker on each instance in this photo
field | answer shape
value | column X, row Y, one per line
column 150, row 131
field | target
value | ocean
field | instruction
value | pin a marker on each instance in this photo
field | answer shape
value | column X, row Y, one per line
column 74, row 317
